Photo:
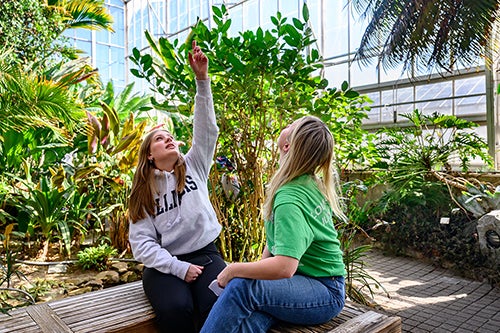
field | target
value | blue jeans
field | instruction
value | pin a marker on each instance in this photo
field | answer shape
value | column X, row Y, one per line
column 248, row 305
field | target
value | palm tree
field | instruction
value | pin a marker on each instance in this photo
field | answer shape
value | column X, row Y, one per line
column 86, row 14
column 30, row 100
column 427, row 33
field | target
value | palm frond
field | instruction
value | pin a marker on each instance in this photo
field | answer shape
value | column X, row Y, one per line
column 86, row 14
column 427, row 33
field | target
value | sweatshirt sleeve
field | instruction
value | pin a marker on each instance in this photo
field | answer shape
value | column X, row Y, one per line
column 146, row 249
column 205, row 130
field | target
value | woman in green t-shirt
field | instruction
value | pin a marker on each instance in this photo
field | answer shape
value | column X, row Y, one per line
column 300, row 278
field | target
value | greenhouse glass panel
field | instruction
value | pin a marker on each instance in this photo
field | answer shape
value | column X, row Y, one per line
column 183, row 15
column 194, row 11
column 357, row 28
column 269, row 8
column 361, row 76
column 102, row 36
column 404, row 102
column 438, row 106
column 289, row 8
column 82, row 34
column 470, row 106
column 251, row 15
column 336, row 25
column 172, row 17
column 315, row 19
column 434, row 91
column 388, row 109
column 469, row 86
column 86, row 47
column 374, row 113
column 336, row 74
column 392, row 74
column 235, row 14
column 373, row 116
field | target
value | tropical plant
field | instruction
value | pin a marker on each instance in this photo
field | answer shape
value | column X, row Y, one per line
column 9, row 266
column 28, row 30
column 9, row 269
column 427, row 34
column 96, row 257
column 352, row 236
column 103, row 168
column 86, row 14
column 261, row 81
column 416, row 160
column 427, row 147
column 29, row 100
column 47, row 208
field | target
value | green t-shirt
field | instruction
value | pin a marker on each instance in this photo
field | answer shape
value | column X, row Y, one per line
column 302, row 228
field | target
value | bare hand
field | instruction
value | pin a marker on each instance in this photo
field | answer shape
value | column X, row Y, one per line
column 193, row 272
column 225, row 276
column 198, row 62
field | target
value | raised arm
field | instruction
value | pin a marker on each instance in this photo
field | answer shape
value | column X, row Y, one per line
column 205, row 130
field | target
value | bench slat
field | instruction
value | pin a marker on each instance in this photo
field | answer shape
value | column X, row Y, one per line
column 47, row 319
column 363, row 323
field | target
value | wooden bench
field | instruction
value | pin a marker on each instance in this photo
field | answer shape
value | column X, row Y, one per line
column 125, row 309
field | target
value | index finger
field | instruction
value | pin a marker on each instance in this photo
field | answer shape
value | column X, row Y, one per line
column 193, row 44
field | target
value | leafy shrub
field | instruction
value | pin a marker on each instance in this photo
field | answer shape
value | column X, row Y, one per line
column 96, row 257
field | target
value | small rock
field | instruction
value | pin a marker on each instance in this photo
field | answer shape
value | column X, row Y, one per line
column 57, row 268
column 129, row 277
column 120, row 267
column 108, row 277
column 78, row 281
column 94, row 284
column 80, row 291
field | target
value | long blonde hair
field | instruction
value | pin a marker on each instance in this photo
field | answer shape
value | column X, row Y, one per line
column 310, row 152
column 141, row 202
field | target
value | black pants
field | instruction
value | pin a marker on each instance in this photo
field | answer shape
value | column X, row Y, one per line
column 182, row 307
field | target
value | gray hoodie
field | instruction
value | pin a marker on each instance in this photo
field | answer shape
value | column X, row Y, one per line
column 184, row 222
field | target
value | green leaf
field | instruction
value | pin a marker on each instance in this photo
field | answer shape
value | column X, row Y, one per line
column 136, row 53
column 351, row 94
column 305, row 12
column 299, row 25
column 217, row 12
column 344, row 86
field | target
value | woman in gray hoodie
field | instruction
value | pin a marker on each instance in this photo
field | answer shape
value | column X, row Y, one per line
column 173, row 224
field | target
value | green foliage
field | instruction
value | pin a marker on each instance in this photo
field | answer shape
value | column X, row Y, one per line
column 29, row 30
column 428, row 34
column 31, row 100
column 416, row 159
column 9, row 269
column 32, row 30
column 358, row 280
column 49, row 210
column 96, row 257
column 9, row 265
column 344, row 110
column 261, row 81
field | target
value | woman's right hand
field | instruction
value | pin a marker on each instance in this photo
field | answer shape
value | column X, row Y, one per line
column 192, row 273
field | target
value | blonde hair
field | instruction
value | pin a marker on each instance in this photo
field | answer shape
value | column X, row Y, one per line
column 310, row 152
column 141, row 201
